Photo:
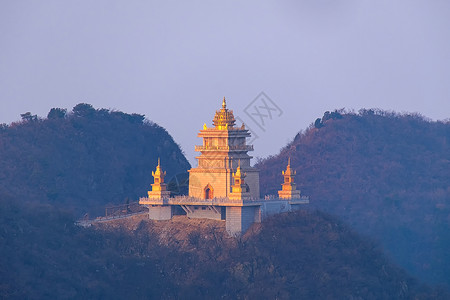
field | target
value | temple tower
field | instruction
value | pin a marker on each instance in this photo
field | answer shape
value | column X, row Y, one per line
column 289, row 188
column 224, row 145
column 223, row 186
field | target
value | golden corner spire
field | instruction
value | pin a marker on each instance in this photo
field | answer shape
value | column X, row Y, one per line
column 239, row 173
column 159, row 188
column 289, row 188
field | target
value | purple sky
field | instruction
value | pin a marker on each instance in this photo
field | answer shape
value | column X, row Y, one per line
column 174, row 61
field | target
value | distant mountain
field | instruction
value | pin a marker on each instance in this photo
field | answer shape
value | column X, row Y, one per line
column 84, row 159
column 385, row 174
column 302, row 255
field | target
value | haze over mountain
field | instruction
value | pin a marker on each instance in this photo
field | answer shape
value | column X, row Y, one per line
column 385, row 174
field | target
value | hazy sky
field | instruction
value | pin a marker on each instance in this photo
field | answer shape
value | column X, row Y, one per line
column 175, row 60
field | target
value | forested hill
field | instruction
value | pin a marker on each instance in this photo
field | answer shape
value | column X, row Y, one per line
column 301, row 255
column 85, row 158
column 385, row 174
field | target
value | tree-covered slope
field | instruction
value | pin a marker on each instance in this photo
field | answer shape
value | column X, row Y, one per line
column 385, row 174
column 84, row 159
column 302, row 255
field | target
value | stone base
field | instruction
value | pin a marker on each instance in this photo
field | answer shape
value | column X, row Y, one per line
column 238, row 215
column 159, row 212
column 239, row 219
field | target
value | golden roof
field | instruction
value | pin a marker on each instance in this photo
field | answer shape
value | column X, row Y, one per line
column 224, row 117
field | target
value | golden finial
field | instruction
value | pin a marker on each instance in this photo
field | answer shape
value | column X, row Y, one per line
column 224, row 118
column 204, row 126
column 289, row 161
column 159, row 162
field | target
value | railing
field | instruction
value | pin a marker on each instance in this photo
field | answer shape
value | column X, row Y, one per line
column 124, row 209
column 242, row 148
column 275, row 197
column 220, row 200
column 88, row 223
column 114, row 213
column 234, row 128
column 179, row 200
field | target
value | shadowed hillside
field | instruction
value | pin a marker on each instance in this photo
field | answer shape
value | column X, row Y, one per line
column 386, row 175
column 84, row 159
column 302, row 255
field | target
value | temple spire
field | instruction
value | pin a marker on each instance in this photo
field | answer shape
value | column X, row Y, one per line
column 159, row 188
column 238, row 170
column 239, row 190
column 289, row 188
column 224, row 103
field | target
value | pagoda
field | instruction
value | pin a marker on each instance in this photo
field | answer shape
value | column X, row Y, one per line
column 159, row 188
column 239, row 190
column 224, row 147
column 289, row 188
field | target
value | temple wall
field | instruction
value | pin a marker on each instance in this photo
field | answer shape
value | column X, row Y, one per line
column 252, row 180
column 220, row 181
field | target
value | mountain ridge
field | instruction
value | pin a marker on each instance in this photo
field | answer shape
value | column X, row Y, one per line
column 84, row 159
column 385, row 174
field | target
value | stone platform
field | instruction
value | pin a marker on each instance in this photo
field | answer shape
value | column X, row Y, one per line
column 238, row 215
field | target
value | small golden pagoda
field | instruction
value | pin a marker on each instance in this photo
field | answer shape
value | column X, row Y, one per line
column 239, row 190
column 289, row 188
column 159, row 188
